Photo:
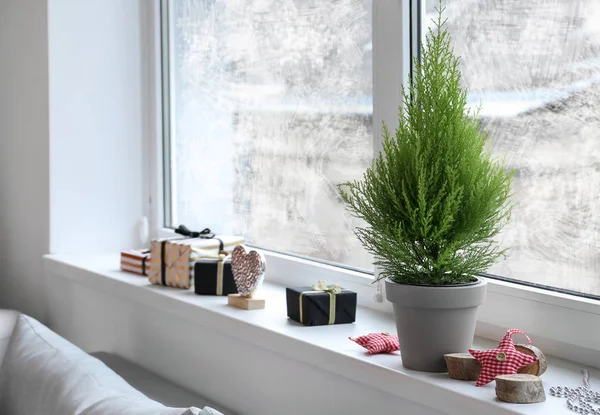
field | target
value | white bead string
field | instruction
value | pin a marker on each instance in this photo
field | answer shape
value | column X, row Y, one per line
column 582, row 395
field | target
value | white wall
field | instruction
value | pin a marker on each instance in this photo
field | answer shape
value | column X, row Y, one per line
column 71, row 136
column 96, row 74
column 24, row 149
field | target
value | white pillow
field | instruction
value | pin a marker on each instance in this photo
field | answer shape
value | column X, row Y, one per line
column 43, row 373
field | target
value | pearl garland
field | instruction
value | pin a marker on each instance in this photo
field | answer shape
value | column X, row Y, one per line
column 582, row 395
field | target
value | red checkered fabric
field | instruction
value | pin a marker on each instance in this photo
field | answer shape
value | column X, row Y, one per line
column 378, row 342
column 503, row 360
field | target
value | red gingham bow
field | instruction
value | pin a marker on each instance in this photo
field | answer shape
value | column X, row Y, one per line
column 378, row 342
column 503, row 360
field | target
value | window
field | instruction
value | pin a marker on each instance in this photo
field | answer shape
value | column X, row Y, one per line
column 270, row 108
column 535, row 66
column 269, row 105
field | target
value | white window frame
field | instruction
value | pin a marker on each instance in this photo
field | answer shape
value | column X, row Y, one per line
column 561, row 324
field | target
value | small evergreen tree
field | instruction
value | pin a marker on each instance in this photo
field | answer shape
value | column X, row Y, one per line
column 434, row 198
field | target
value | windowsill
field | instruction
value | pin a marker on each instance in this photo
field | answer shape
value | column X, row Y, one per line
column 324, row 347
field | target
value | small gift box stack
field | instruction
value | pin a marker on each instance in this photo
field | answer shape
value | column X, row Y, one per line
column 173, row 260
column 321, row 304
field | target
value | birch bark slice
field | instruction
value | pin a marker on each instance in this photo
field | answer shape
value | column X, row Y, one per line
column 536, row 368
column 520, row 388
column 462, row 366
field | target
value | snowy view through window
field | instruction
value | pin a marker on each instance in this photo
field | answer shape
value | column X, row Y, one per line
column 535, row 65
column 273, row 109
column 271, row 106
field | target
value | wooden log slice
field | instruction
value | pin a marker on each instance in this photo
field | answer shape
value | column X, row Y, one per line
column 536, row 368
column 462, row 366
column 520, row 388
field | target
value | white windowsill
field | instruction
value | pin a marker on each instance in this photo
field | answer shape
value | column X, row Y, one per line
column 324, row 347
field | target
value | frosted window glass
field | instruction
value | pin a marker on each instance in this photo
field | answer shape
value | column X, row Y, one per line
column 271, row 109
column 535, row 65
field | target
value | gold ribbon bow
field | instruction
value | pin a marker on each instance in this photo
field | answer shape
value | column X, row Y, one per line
column 321, row 286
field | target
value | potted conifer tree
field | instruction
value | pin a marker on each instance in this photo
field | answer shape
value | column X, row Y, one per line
column 433, row 199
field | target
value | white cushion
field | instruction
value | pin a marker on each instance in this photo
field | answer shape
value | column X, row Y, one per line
column 152, row 385
column 8, row 320
column 43, row 373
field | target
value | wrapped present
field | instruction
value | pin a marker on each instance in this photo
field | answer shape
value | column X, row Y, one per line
column 172, row 260
column 321, row 304
column 213, row 276
column 135, row 260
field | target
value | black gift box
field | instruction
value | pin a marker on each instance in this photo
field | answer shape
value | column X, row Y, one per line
column 206, row 274
column 315, row 306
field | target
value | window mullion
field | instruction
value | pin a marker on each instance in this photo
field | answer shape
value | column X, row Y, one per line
column 391, row 68
column 391, row 62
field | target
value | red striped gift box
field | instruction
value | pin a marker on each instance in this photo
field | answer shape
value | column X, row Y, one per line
column 136, row 261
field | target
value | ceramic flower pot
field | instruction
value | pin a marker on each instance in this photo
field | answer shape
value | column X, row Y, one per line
column 434, row 320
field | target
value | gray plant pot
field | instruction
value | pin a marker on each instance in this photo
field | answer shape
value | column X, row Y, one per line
column 434, row 320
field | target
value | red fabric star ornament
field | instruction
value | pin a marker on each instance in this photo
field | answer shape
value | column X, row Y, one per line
column 503, row 360
column 378, row 342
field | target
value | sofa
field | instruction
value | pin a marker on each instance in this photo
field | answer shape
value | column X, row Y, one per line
column 42, row 373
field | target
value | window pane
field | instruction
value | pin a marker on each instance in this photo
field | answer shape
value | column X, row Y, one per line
column 271, row 109
column 535, row 65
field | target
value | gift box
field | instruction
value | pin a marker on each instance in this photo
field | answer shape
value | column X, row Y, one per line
column 172, row 260
column 135, row 260
column 213, row 276
column 321, row 304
